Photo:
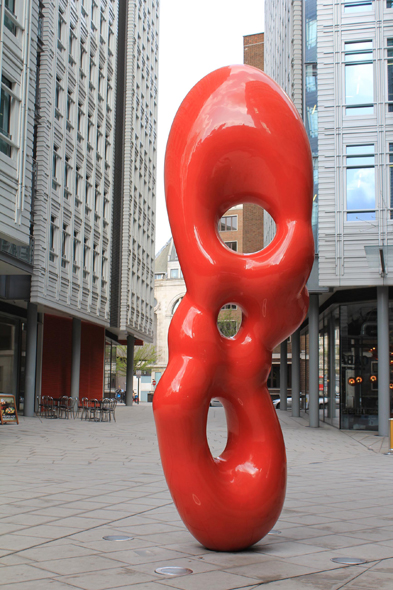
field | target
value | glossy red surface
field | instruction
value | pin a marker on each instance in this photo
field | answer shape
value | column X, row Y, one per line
column 236, row 138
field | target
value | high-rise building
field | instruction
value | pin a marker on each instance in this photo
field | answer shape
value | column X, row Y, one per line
column 63, row 307
column 334, row 59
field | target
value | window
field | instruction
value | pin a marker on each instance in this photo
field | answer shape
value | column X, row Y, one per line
column 52, row 238
column 67, row 168
column 96, row 257
column 80, row 117
column 359, row 83
column 174, row 273
column 391, row 178
column 8, row 22
column 390, row 75
column 75, row 252
column 311, row 77
column 159, row 276
column 312, row 120
column 104, row 265
column 5, row 116
column 389, row 4
column 58, row 95
column 69, row 105
column 231, row 245
column 350, row 7
column 228, row 223
column 64, row 246
column 54, row 162
column 360, row 182
column 85, row 257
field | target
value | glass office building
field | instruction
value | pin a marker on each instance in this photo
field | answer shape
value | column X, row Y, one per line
column 338, row 70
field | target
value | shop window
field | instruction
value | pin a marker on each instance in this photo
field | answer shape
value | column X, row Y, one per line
column 359, row 78
column 360, row 182
column 359, row 366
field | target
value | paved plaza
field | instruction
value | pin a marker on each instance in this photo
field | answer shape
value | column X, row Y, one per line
column 65, row 484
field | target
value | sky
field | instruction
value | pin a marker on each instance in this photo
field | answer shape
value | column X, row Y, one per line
column 195, row 39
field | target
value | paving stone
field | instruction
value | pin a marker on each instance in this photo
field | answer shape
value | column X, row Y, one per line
column 66, row 484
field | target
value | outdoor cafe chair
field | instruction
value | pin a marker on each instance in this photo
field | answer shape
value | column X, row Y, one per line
column 66, row 406
column 111, row 409
column 85, row 408
column 108, row 406
column 105, row 409
column 49, row 407
column 94, row 410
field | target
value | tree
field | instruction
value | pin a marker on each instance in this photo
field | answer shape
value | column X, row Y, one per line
column 227, row 323
column 144, row 357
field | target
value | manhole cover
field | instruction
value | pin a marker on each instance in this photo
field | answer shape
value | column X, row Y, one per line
column 173, row 571
column 349, row 560
column 117, row 538
column 274, row 532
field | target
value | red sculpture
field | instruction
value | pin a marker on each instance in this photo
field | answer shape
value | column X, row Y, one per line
column 236, row 138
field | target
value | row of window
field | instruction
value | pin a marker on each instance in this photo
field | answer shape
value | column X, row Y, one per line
column 358, row 85
column 62, row 243
column 83, row 191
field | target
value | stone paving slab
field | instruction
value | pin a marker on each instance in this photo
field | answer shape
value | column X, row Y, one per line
column 65, row 484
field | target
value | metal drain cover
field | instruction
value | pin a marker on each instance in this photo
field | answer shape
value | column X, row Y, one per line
column 274, row 532
column 173, row 571
column 349, row 560
column 117, row 538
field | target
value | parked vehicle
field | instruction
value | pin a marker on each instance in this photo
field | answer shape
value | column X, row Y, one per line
column 276, row 403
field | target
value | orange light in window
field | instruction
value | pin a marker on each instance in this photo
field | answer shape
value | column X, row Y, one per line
column 359, row 379
column 373, row 378
column 391, row 385
column 351, row 381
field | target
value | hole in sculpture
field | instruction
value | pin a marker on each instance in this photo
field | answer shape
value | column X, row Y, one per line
column 229, row 320
column 216, row 429
column 246, row 228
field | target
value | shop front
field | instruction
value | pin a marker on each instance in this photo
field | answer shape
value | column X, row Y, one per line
column 348, row 365
column 13, row 357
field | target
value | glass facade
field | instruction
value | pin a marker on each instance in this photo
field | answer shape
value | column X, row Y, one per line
column 110, row 369
column 348, row 366
column 12, row 357
column 311, row 99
